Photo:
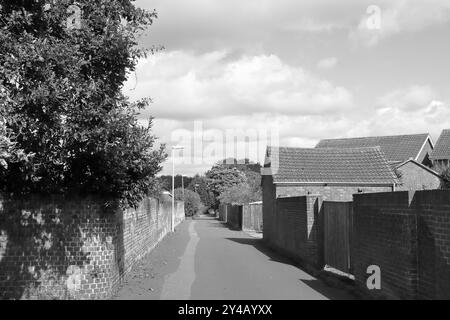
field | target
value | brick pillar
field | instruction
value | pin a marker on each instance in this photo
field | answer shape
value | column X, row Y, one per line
column 315, row 230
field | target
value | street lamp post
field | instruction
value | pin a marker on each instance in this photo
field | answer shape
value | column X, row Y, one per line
column 172, row 225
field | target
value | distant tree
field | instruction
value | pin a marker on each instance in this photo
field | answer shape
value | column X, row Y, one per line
column 167, row 180
column 61, row 80
column 220, row 178
column 199, row 184
column 192, row 202
column 241, row 194
column 445, row 175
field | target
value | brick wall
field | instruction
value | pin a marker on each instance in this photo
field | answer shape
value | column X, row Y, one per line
column 407, row 235
column 295, row 228
column 252, row 218
column 234, row 216
column 269, row 207
column 415, row 177
column 433, row 218
column 331, row 192
column 384, row 234
column 57, row 248
column 223, row 212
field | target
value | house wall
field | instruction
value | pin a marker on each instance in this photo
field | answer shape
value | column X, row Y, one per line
column 341, row 193
column 415, row 177
column 56, row 248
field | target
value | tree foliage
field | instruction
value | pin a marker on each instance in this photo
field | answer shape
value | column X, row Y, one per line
column 192, row 201
column 60, row 96
column 239, row 194
column 245, row 192
column 445, row 175
column 220, row 177
column 199, row 184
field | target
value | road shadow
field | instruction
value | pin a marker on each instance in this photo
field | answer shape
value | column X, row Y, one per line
column 315, row 284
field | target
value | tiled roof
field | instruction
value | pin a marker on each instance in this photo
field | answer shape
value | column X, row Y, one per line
column 361, row 165
column 396, row 148
column 442, row 148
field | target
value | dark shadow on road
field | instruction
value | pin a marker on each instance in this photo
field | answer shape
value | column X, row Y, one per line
column 317, row 285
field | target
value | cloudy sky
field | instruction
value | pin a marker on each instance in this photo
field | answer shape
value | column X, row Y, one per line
column 306, row 70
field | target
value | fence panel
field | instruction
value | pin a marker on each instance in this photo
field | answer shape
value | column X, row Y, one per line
column 252, row 217
column 338, row 218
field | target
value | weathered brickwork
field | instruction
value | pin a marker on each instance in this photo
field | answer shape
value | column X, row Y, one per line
column 57, row 248
column 407, row 235
column 295, row 228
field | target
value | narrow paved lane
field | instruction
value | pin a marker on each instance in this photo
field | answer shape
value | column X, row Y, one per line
column 215, row 262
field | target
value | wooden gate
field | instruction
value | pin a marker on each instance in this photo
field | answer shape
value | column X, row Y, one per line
column 338, row 222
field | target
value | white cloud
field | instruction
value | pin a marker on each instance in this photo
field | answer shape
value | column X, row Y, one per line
column 400, row 16
column 188, row 86
column 409, row 99
column 327, row 63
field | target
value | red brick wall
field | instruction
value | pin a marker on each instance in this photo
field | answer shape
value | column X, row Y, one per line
column 295, row 228
column 333, row 192
column 415, row 177
column 57, row 248
column 407, row 234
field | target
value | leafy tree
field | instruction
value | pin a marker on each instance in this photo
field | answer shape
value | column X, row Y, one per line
column 220, row 177
column 9, row 153
column 445, row 175
column 60, row 96
column 242, row 193
column 199, row 184
column 167, row 180
column 192, row 202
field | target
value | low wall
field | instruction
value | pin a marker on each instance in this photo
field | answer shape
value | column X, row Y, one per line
column 296, row 229
column 55, row 248
column 252, row 217
column 223, row 212
column 234, row 216
column 407, row 235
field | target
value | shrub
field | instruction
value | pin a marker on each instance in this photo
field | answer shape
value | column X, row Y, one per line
column 192, row 202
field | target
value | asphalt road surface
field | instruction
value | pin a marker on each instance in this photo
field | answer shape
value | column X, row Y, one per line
column 206, row 260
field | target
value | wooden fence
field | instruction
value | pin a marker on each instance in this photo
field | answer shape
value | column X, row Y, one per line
column 252, row 218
